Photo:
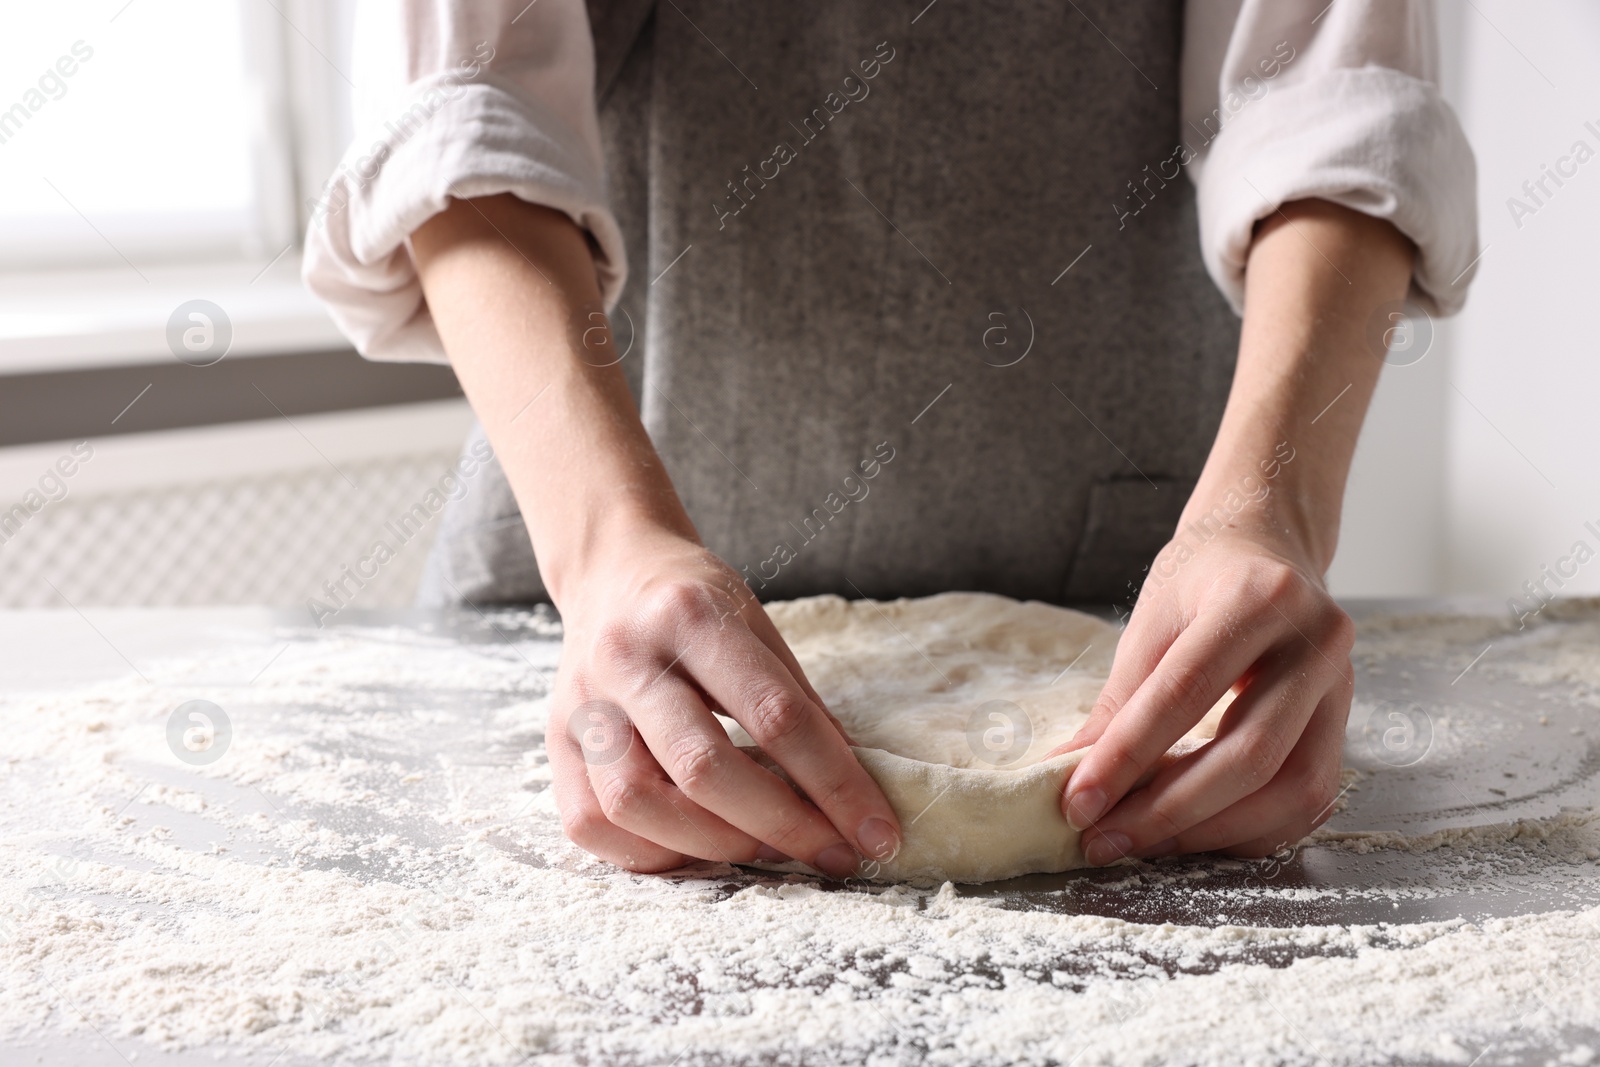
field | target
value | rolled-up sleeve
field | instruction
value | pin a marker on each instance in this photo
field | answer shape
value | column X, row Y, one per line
column 455, row 100
column 1294, row 99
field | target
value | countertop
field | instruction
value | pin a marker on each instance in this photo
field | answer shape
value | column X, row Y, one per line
column 1543, row 759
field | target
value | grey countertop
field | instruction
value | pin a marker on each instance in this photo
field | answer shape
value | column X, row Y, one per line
column 1546, row 758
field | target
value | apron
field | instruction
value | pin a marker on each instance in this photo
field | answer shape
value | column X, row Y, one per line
column 912, row 306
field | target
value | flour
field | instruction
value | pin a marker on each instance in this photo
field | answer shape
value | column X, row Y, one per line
column 375, row 871
column 1556, row 647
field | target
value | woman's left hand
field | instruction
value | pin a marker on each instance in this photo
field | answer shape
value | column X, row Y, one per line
column 1244, row 610
column 1236, row 601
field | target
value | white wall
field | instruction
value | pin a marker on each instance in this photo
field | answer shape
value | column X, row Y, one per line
column 1452, row 489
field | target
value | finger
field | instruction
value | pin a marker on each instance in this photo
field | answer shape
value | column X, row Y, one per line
column 585, row 824
column 761, row 624
column 1139, row 649
column 1196, row 671
column 1091, row 731
column 697, row 754
column 635, row 794
column 1300, row 797
column 1256, row 735
column 750, row 681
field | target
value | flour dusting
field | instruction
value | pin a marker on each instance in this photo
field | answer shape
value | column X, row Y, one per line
column 374, row 871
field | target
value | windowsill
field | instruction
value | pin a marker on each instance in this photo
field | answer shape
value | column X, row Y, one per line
column 110, row 317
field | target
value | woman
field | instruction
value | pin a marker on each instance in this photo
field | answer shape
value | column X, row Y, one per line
column 916, row 305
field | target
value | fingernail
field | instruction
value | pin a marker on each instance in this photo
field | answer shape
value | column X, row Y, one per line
column 839, row 861
column 767, row 854
column 1084, row 807
column 878, row 839
column 1108, row 848
column 1161, row 848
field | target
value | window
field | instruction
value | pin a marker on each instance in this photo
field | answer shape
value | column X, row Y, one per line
column 145, row 132
column 157, row 151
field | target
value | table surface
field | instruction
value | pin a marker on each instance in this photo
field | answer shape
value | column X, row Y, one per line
column 1549, row 761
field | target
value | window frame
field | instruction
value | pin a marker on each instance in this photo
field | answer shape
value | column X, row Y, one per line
column 296, row 57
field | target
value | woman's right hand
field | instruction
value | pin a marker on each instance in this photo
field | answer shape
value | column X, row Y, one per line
column 659, row 632
column 657, row 638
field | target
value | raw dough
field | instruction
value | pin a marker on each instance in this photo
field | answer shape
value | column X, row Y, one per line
column 953, row 701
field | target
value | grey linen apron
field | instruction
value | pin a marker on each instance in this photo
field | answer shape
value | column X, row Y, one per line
column 835, row 274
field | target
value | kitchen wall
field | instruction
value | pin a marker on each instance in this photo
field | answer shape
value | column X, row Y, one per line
column 1478, row 467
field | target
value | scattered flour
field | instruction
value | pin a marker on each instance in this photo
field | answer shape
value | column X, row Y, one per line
column 374, row 871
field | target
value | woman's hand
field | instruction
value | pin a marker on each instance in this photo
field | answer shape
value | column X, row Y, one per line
column 659, row 632
column 1242, row 608
column 1237, row 601
column 644, row 774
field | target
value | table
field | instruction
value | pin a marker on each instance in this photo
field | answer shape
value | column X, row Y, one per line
column 1536, row 754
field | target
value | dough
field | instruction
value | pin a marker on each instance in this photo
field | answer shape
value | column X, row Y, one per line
column 953, row 701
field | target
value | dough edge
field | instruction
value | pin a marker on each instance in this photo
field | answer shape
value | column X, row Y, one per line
column 973, row 825
column 966, row 824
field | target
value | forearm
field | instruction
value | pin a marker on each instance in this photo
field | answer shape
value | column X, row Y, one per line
column 644, row 774
column 1317, row 275
column 1237, row 602
column 512, row 290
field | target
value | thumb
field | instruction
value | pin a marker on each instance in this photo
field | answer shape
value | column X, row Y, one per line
column 1139, row 651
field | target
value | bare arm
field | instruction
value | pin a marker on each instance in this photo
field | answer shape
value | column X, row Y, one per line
column 1237, row 599
column 659, row 632
column 510, row 286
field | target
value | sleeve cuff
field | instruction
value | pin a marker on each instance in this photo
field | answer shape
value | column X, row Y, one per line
column 451, row 140
column 1368, row 138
